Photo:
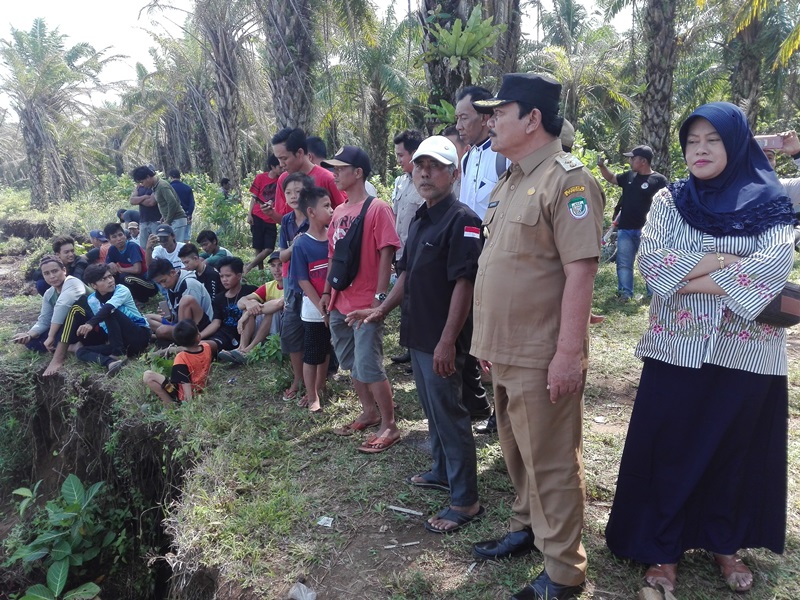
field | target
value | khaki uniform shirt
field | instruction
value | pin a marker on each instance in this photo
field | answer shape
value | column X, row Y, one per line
column 547, row 211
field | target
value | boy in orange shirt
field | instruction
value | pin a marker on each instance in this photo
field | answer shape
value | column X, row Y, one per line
column 189, row 370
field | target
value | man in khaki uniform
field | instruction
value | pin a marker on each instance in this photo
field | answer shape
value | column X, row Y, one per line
column 533, row 295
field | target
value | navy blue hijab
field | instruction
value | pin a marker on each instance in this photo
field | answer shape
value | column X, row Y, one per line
column 746, row 198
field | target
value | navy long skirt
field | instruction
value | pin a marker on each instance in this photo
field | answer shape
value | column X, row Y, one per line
column 704, row 464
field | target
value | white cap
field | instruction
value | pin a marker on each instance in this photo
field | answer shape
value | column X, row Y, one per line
column 439, row 148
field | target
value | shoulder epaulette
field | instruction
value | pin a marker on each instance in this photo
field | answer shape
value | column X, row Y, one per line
column 568, row 161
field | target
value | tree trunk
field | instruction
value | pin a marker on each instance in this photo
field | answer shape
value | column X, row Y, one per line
column 378, row 133
column 661, row 44
column 746, row 75
column 220, row 34
column 505, row 51
column 291, row 52
column 37, row 169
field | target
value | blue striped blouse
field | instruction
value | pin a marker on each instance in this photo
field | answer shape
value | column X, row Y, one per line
column 689, row 330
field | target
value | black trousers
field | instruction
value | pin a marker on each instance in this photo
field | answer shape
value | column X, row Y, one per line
column 125, row 338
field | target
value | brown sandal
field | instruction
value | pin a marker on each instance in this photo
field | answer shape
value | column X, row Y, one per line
column 732, row 568
column 662, row 575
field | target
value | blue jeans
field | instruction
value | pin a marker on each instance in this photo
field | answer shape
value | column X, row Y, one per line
column 450, row 428
column 627, row 246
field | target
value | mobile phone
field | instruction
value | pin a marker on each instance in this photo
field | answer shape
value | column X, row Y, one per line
column 770, row 142
column 163, row 307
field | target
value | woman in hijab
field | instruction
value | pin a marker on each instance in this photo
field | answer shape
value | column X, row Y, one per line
column 704, row 464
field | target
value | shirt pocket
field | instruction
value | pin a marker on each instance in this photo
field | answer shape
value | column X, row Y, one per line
column 521, row 230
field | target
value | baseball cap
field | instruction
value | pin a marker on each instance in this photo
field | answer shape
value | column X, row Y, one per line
column 439, row 148
column 133, row 224
column 274, row 256
column 540, row 90
column 164, row 231
column 643, row 151
column 350, row 156
column 96, row 233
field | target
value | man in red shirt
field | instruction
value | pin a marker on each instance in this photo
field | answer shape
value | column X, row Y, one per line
column 291, row 149
column 262, row 217
column 360, row 348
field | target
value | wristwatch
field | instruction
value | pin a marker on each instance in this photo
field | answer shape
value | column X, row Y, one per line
column 380, row 297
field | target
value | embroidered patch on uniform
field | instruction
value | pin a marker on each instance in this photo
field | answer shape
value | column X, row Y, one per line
column 645, row 185
column 472, row 232
column 578, row 207
column 493, row 204
column 531, row 191
column 574, row 190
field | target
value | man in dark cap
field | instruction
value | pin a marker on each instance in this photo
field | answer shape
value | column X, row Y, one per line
column 360, row 350
column 543, row 227
column 639, row 185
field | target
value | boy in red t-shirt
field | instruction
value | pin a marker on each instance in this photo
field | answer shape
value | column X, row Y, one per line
column 360, row 348
column 262, row 217
column 189, row 369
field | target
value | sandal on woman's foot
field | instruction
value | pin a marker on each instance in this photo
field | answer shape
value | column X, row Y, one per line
column 304, row 402
column 290, row 394
column 736, row 574
column 663, row 575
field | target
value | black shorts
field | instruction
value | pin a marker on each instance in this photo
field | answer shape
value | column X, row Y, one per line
column 225, row 340
column 264, row 234
column 316, row 343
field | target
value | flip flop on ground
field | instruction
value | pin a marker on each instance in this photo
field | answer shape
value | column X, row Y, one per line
column 355, row 427
column 375, row 444
column 428, row 482
column 454, row 516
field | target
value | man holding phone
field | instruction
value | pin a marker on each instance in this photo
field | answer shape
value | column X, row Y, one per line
column 639, row 185
column 787, row 143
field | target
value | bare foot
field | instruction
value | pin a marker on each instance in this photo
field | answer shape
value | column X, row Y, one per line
column 663, row 575
column 53, row 368
column 735, row 573
column 315, row 407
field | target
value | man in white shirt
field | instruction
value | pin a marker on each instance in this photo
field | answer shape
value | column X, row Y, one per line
column 405, row 198
column 481, row 167
column 162, row 244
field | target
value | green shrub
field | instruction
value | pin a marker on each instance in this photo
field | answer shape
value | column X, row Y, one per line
column 70, row 535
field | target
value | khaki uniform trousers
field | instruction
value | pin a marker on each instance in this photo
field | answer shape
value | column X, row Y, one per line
column 542, row 447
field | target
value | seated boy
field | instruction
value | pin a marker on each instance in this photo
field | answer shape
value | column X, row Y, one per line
column 212, row 251
column 186, row 298
column 222, row 332
column 64, row 309
column 114, row 311
column 189, row 369
column 64, row 248
column 205, row 273
column 264, row 308
column 126, row 262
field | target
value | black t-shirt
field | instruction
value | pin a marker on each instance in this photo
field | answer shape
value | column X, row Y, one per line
column 211, row 281
column 225, row 309
column 637, row 195
column 443, row 245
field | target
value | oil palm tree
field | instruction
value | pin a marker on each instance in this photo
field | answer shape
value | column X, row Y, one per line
column 46, row 81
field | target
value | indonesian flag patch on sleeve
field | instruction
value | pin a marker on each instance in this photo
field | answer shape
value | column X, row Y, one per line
column 472, row 232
